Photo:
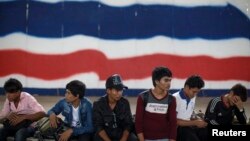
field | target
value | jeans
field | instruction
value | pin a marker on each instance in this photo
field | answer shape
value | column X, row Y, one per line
column 20, row 135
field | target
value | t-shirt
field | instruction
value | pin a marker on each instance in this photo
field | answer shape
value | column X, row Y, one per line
column 75, row 122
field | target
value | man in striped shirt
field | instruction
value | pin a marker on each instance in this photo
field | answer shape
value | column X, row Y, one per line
column 221, row 110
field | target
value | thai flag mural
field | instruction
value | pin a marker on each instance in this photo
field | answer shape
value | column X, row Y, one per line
column 47, row 43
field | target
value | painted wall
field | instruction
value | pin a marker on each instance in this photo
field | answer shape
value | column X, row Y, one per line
column 47, row 43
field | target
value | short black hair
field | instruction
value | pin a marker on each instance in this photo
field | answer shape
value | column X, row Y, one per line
column 76, row 87
column 13, row 85
column 240, row 90
column 194, row 81
column 160, row 72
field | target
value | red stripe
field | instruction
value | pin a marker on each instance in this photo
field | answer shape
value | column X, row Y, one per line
column 51, row 67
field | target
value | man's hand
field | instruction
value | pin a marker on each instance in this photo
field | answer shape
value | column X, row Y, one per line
column 237, row 101
column 66, row 135
column 53, row 120
column 200, row 123
column 14, row 118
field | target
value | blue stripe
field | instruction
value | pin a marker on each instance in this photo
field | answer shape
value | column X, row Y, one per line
column 129, row 92
column 135, row 21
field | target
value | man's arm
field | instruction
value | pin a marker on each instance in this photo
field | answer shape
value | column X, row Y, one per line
column 240, row 112
column 140, row 136
column 172, row 119
column 128, row 121
column 35, row 116
column 14, row 118
column 104, row 135
column 53, row 112
column 199, row 123
column 5, row 111
column 125, row 135
column 241, row 116
column 98, row 121
column 139, row 118
column 210, row 115
column 56, row 109
column 36, row 111
column 37, row 107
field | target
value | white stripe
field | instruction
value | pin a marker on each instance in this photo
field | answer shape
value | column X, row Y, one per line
column 213, row 104
column 244, row 114
column 128, row 48
column 243, row 5
column 92, row 81
column 213, row 122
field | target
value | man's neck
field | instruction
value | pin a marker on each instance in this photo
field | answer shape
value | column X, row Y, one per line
column 111, row 103
column 159, row 93
column 76, row 103
column 16, row 101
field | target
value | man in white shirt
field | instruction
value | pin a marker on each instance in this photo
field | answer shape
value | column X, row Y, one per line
column 189, row 129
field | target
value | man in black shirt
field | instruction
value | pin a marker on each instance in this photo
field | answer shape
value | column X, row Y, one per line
column 221, row 110
column 112, row 116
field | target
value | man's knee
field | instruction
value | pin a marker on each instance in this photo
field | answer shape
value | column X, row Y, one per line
column 132, row 137
column 23, row 133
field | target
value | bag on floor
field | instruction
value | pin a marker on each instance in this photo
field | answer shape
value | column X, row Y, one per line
column 45, row 131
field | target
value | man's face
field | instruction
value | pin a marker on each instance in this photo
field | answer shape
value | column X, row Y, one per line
column 114, row 94
column 191, row 92
column 13, row 96
column 164, row 83
column 69, row 96
column 233, row 99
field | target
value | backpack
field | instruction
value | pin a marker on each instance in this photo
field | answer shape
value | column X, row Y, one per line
column 44, row 131
column 145, row 96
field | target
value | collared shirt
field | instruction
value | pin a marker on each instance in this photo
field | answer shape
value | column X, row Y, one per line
column 185, row 106
column 27, row 105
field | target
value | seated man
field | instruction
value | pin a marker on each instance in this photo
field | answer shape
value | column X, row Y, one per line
column 156, row 109
column 77, row 111
column 112, row 115
column 221, row 110
column 189, row 129
column 19, row 107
